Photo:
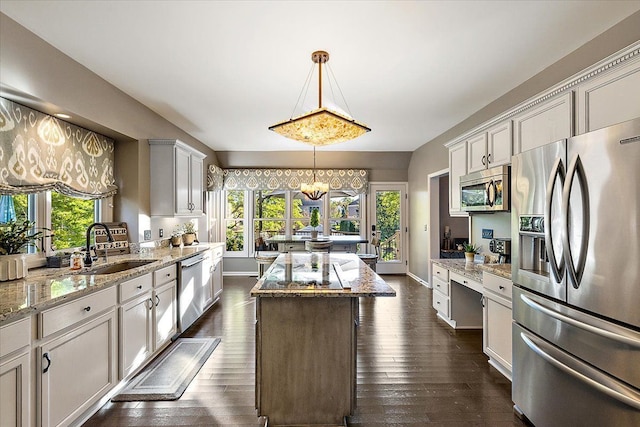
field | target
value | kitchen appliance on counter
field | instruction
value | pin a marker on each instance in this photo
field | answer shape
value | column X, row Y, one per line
column 576, row 330
column 502, row 247
column 486, row 191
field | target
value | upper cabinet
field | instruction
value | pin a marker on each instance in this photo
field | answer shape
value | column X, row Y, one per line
column 548, row 122
column 177, row 172
column 457, row 168
column 610, row 98
column 490, row 148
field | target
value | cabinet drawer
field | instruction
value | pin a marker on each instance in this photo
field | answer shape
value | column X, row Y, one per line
column 80, row 310
column 290, row 247
column 440, row 272
column 165, row 275
column 497, row 284
column 15, row 335
column 441, row 303
column 217, row 252
column 465, row 281
column 135, row 287
column 440, row 285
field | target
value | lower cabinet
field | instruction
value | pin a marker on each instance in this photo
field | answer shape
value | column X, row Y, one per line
column 497, row 319
column 76, row 369
column 165, row 313
column 15, row 373
column 136, row 333
column 216, row 273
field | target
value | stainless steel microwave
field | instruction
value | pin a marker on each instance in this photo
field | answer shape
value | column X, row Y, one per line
column 486, row 191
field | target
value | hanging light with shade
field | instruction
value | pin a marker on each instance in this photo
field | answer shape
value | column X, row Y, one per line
column 317, row 189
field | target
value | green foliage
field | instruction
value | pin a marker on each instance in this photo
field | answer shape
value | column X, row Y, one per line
column 314, row 221
column 470, row 247
column 189, row 228
column 17, row 234
column 387, row 213
column 70, row 218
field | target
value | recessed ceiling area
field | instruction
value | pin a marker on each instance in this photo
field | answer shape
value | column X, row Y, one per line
column 226, row 71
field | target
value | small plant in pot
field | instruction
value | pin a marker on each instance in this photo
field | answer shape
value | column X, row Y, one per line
column 176, row 237
column 314, row 221
column 469, row 251
column 15, row 237
column 189, row 233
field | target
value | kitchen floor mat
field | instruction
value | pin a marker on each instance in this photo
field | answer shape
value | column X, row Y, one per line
column 168, row 376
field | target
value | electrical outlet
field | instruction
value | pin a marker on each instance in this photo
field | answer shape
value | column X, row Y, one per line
column 161, row 232
column 147, row 234
column 487, row 233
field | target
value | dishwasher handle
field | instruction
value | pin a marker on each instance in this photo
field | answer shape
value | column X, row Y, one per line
column 190, row 262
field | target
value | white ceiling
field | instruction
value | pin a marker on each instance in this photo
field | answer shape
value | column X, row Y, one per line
column 224, row 71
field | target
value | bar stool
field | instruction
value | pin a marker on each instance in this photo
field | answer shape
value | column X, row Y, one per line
column 318, row 246
column 264, row 260
column 372, row 259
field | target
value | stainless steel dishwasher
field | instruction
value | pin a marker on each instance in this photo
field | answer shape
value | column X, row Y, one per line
column 190, row 291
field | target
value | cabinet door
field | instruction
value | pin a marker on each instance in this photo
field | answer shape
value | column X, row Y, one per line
column 216, row 277
column 207, row 280
column 477, row 153
column 15, row 377
column 165, row 313
column 499, row 143
column 497, row 332
column 135, row 333
column 197, row 185
column 457, row 168
column 183, row 176
column 76, row 370
column 611, row 98
column 549, row 122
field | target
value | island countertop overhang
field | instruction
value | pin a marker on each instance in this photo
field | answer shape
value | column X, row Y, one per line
column 356, row 279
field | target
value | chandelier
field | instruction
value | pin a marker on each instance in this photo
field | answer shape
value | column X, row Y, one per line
column 318, row 189
column 320, row 126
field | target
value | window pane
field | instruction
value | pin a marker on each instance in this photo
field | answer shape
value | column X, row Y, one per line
column 264, row 229
column 344, row 204
column 235, row 236
column 235, row 204
column 70, row 218
column 269, row 204
column 345, row 227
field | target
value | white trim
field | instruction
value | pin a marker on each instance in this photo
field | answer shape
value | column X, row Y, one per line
column 419, row 280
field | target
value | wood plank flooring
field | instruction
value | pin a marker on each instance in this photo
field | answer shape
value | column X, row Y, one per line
column 413, row 370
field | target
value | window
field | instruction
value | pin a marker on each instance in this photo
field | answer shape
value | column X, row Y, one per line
column 268, row 216
column 344, row 211
column 234, row 220
column 301, row 213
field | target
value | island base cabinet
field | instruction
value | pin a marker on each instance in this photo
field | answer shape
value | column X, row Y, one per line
column 76, row 370
column 14, row 391
column 305, row 360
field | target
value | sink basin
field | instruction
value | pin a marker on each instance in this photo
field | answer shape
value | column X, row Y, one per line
column 120, row 266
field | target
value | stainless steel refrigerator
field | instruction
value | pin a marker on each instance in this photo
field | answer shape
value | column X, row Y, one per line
column 576, row 266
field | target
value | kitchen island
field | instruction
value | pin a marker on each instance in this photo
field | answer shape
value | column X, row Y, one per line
column 307, row 314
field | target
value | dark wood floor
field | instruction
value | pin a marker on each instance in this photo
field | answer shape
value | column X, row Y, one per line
column 413, row 370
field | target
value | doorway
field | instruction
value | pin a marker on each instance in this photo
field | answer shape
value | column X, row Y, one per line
column 388, row 222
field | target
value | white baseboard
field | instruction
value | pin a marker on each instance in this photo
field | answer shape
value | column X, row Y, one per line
column 419, row 280
column 240, row 273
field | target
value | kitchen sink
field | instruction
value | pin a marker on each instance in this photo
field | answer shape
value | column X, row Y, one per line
column 119, row 267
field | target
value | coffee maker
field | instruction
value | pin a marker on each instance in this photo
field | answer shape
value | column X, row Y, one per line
column 502, row 247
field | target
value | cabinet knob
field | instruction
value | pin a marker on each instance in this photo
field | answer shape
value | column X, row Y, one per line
column 87, row 308
column 501, row 287
column 139, row 286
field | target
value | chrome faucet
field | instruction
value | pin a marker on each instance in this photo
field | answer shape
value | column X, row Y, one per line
column 88, row 259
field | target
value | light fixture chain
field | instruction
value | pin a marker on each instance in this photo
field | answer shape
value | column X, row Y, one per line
column 340, row 90
column 305, row 89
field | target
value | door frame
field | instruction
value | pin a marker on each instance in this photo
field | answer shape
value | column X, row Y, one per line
column 393, row 267
column 433, row 248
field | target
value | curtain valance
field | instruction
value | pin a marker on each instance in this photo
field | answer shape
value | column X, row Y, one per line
column 290, row 179
column 215, row 178
column 39, row 152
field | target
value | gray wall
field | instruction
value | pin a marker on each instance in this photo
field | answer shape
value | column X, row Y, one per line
column 432, row 156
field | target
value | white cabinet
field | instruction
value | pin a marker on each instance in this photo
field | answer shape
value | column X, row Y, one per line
column 490, row 148
column 165, row 312
column 610, row 98
column 136, row 323
column 497, row 318
column 15, row 373
column 457, row 168
column 440, row 283
column 177, row 178
column 548, row 122
column 216, row 272
column 76, row 367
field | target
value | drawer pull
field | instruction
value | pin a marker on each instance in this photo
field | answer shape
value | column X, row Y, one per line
column 438, row 285
column 46, row 368
column 157, row 300
column 438, row 302
column 139, row 286
column 437, row 272
column 501, row 287
column 150, row 301
column 168, row 274
column 87, row 308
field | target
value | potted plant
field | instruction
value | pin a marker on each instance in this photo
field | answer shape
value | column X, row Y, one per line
column 189, row 233
column 15, row 236
column 176, row 237
column 469, row 251
column 314, row 221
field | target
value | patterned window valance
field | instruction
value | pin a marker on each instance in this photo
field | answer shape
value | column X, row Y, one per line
column 290, row 179
column 38, row 152
column 215, row 178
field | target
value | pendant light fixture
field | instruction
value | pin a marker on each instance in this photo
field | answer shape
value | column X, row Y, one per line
column 318, row 189
column 321, row 126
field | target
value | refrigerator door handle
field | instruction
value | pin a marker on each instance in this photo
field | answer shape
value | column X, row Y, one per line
column 612, row 335
column 584, row 373
column 556, row 267
column 575, row 271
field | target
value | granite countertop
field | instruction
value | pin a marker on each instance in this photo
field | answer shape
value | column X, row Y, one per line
column 474, row 271
column 46, row 287
column 296, row 239
column 316, row 275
